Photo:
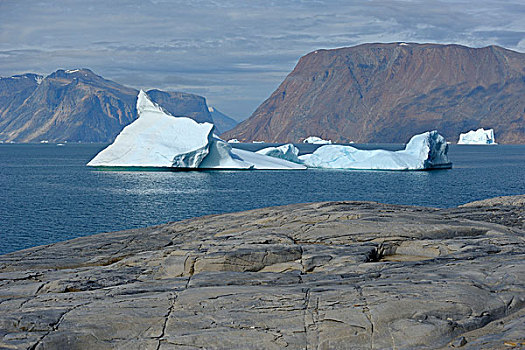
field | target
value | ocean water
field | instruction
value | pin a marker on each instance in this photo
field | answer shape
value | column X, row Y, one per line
column 47, row 194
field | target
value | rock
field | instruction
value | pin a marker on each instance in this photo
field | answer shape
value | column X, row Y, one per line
column 461, row 341
column 498, row 201
column 328, row 275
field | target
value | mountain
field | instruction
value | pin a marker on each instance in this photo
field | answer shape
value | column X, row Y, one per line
column 78, row 105
column 14, row 90
column 182, row 104
column 389, row 92
column 222, row 122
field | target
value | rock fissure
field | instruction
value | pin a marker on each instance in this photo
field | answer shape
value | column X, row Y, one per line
column 54, row 326
column 167, row 316
column 305, row 312
column 366, row 312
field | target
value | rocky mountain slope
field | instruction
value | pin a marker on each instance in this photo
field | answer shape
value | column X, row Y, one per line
column 78, row 105
column 222, row 122
column 389, row 92
column 333, row 275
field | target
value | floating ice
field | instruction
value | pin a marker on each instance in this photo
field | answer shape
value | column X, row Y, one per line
column 233, row 141
column 423, row 151
column 157, row 139
column 287, row 152
column 317, row 140
column 262, row 162
column 478, row 137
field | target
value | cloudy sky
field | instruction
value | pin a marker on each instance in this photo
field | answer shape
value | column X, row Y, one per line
column 233, row 52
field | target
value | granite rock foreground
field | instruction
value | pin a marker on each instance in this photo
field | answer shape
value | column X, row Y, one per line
column 357, row 275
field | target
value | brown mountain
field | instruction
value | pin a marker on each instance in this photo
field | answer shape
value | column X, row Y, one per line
column 389, row 92
column 78, row 105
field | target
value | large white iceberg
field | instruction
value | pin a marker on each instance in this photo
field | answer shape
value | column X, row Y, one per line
column 478, row 137
column 287, row 152
column 423, row 151
column 317, row 140
column 157, row 139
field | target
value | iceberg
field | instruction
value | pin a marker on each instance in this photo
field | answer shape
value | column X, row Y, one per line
column 157, row 139
column 288, row 152
column 424, row 151
column 478, row 137
column 160, row 140
column 263, row 162
column 317, row 140
column 233, row 141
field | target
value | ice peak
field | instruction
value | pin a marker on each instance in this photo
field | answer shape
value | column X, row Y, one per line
column 145, row 104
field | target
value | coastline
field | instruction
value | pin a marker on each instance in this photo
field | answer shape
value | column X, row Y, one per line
column 316, row 275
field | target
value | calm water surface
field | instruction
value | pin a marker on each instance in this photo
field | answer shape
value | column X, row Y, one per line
column 47, row 194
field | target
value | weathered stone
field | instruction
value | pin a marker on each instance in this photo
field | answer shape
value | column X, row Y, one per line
column 332, row 275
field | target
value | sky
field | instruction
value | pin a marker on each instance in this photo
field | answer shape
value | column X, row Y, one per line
column 233, row 52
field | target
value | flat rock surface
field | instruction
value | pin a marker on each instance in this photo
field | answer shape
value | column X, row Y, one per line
column 334, row 275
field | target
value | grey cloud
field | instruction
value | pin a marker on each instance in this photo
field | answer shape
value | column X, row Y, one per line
column 234, row 52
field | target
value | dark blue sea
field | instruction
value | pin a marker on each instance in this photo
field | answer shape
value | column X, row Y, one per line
column 47, row 194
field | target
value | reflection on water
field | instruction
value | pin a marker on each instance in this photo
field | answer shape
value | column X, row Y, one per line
column 157, row 183
column 47, row 193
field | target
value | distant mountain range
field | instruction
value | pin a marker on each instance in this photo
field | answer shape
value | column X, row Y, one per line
column 78, row 105
column 389, row 92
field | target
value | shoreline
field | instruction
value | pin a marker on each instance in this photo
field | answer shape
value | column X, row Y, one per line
column 328, row 274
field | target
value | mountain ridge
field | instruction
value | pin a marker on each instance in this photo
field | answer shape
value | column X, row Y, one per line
column 80, row 106
column 388, row 92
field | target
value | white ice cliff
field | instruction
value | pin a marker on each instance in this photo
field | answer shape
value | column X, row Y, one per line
column 478, row 137
column 157, row 139
column 287, row 152
column 423, row 151
column 317, row 140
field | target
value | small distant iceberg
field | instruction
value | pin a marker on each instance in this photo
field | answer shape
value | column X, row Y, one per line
column 478, row 137
column 287, row 152
column 233, row 141
column 424, row 151
column 159, row 140
column 317, row 141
